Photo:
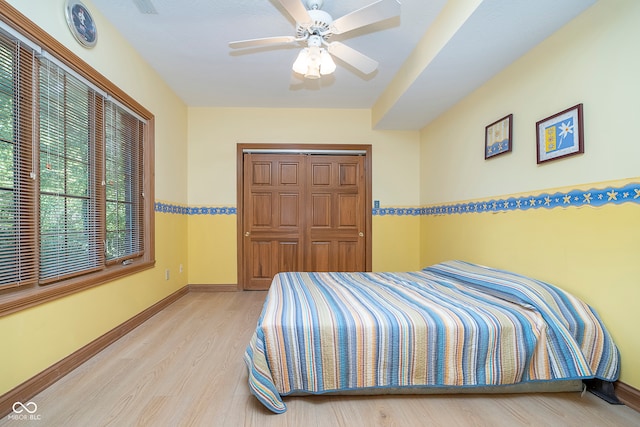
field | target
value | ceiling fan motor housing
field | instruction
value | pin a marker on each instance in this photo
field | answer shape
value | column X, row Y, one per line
column 320, row 26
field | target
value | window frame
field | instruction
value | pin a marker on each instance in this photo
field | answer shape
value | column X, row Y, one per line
column 14, row 299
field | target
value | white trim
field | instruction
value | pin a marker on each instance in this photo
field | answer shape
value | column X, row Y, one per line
column 19, row 37
column 49, row 57
column 112, row 100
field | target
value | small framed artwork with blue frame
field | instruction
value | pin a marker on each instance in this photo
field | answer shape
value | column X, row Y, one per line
column 498, row 137
column 560, row 135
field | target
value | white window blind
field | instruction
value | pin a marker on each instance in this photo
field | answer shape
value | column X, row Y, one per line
column 71, row 172
column 124, row 184
column 18, row 244
column 70, row 230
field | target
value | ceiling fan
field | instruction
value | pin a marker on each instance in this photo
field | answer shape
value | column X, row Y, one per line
column 314, row 27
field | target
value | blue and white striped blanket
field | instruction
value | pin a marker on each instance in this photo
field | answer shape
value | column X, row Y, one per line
column 451, row 324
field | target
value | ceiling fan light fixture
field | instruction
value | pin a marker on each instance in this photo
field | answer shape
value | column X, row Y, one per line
column 300, row 64
column 327, row 66
column 314, row 62
column 313, row 71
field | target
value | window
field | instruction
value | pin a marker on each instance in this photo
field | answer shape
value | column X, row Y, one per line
column 69, row 234
column 76, row 165
column 123, row 184
column 17, row 190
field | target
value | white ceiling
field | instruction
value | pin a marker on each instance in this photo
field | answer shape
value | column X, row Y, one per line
column 186, row 42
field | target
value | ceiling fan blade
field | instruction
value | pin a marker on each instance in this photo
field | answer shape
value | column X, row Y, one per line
column 296, row 9
column 375, row 12
column 262, row 42
column 352, row 57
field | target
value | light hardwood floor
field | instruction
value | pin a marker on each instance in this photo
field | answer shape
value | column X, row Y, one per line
column 184, row 367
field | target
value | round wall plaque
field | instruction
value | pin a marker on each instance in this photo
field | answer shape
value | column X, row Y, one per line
column 81, row 23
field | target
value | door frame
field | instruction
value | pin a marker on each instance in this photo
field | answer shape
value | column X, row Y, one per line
column 344, row 149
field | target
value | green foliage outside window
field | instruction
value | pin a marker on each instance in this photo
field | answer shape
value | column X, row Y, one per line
column 83, row 157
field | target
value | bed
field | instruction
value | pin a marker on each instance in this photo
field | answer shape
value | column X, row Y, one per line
column 451, row 326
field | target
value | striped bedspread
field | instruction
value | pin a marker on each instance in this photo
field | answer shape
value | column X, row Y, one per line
column 451, row 324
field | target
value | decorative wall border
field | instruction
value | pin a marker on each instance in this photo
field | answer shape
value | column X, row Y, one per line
column 198, row 210
column 397, row 211
column 595, row 197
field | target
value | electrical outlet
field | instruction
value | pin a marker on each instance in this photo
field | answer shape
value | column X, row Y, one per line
column 167, row 273
column 181, row 269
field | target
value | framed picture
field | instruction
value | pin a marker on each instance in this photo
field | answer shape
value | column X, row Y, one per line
column 81, row 23
column 498, row 137
column 560, row 135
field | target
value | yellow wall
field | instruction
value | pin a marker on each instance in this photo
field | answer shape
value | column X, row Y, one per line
column 35, row 339
column 215, row 132
column 213, row 258
column 588, row 251
column 213, row 255
column 213, row 137
column 593, row 252
column 396, row 243
column 592, row 60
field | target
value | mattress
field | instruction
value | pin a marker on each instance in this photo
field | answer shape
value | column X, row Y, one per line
column 451, row 326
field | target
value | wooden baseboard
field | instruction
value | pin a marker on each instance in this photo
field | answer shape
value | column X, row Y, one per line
column 628, row 395
column 25, row 391
column 213, row 288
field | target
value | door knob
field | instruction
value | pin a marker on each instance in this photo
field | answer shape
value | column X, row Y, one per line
column 247, row 234
column 361, row 234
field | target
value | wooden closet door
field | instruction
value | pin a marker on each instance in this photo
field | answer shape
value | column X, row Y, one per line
column 334, row 235
column 302, row 212
column 274, row 203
